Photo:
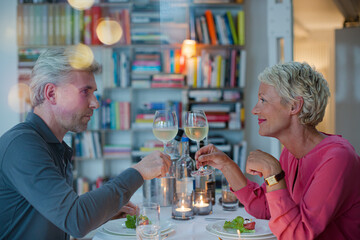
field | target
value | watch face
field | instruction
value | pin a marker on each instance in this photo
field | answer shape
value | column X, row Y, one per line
column 271, row 180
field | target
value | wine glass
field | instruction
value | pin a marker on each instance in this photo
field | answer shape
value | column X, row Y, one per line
column 165, row 126
column 196, row 128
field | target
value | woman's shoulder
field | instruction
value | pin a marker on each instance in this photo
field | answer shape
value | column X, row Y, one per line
column 335, row 148
column 335, row 143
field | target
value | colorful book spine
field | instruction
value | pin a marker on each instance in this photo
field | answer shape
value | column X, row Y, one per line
column 126, row 19
column 241, row 27
column 50, row 25
column 211, row 27
column 96, row 16
column 87, row 26
column 232, row 68
column 232, row 28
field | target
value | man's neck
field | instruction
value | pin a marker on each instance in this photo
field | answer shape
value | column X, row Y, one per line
column 50, row 119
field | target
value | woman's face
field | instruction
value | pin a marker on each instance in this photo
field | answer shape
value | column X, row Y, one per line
column 273, row 116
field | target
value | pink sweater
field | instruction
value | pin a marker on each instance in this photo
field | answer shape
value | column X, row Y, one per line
column 325, row 203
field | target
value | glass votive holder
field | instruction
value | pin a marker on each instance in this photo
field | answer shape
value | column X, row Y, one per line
column 182, row 208
column 202, row 203
column 229, row 200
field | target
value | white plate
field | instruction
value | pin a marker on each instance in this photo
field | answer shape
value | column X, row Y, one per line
column 243, row 237
column 118, row 227
column 101, row 232
column 261, row 229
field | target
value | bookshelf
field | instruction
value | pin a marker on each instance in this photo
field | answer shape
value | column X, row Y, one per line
column 145, row 71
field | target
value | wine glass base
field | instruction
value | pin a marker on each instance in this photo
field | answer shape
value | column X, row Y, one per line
column 201, row 172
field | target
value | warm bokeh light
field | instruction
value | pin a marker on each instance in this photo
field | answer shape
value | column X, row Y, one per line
column 109, row 31
column 19, row 98
column 81, row 4
column 80, row 56
column 188, row 48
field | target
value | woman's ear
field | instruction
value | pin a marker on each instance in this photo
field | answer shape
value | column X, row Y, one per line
column 297, row 105
column 50, row 93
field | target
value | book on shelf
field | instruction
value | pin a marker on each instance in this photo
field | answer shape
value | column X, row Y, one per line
column 211, row 27
column 115, row 115
column 218, row 117
column 168, row 81
column 205, row 95
column 95, row 19
column 117, row 150
column 217, row 69
column 241, row 27
column 214, row 107
column 60, row 24
column 219, row 27
column 87, row 145
column 146, row 61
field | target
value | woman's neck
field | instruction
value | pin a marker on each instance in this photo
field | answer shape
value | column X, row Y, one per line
column 302, row 140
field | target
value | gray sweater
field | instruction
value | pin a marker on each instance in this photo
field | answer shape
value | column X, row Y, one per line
column 37, row 200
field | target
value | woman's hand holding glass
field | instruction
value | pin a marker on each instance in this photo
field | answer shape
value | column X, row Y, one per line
column 196, row 128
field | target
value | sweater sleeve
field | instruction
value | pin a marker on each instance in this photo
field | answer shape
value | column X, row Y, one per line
column 252, row 196
column 34, row 175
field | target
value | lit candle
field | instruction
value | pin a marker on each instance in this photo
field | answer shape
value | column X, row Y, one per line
column 183, row 209
column 201, row 204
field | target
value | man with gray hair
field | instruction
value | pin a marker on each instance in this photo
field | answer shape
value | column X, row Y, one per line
column 37, row 198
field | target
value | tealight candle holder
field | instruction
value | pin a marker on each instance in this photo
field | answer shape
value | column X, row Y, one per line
column 202, row 203
column 182, row 208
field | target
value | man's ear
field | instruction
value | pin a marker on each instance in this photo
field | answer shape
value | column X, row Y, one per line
column 297, row 105
column 50, row 93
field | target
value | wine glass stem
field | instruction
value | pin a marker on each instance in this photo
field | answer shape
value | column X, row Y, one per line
column 198, row 145
column 201, row 168
column 165, row 147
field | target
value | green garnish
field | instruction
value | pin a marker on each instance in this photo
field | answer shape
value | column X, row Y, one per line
column 131, row 221
column 237, row 223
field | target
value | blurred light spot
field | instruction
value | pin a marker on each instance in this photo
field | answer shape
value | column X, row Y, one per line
column 188, row 48
column 80, row 56
column 19, row 98
column 81, row 4
column 109, row 31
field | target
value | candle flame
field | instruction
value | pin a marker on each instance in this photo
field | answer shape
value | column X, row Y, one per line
column 238, row 232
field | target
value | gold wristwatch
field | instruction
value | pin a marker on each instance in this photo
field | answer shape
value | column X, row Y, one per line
column 274, row 179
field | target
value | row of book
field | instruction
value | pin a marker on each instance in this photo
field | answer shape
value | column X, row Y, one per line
column 83, row 185
column 113, row 115
column 213, row 68
column 215, row 95
column 88, row 145
column 217, row 69
column 117, row 150
column 229, row 115
column 145, row 114
column 60, row 24
column 218, row 29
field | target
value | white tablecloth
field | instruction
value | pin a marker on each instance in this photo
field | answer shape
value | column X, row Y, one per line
column 194, row 229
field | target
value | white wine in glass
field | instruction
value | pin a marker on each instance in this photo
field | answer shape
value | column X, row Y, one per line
column 196, row 128
column 165, row 126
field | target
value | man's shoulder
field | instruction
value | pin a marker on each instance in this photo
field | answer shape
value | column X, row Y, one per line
column 19, row 135
column 18, row 130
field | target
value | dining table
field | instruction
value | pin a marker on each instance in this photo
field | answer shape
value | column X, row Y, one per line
column 201, row 227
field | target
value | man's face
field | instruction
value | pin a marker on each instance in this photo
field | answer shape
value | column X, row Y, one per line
column 75, row 101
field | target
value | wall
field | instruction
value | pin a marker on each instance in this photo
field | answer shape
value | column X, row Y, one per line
column 257, row 61
column 8, row 62
column 347, row 47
